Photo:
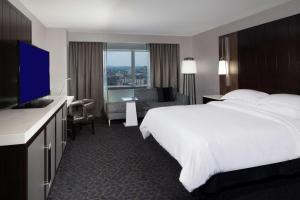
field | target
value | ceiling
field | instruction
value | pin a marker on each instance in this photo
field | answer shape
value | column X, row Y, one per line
column 153, row 17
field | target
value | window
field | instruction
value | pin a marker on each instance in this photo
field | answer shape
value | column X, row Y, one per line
column 119, row 68
column 127, row 66
column 141, row 68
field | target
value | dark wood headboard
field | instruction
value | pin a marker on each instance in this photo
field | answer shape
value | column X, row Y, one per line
column 269, row 56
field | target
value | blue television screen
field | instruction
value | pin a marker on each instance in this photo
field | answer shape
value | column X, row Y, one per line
column 34, row 75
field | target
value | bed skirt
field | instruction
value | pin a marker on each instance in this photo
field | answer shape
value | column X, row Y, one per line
column 227, row 180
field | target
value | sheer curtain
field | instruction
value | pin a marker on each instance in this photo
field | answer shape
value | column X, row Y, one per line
column 165, row 63
column 86, row 72
column 104, row 76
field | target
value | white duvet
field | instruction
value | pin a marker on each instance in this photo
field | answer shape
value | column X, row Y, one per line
column 221, row 137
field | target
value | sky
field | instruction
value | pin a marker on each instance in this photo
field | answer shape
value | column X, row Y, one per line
column 123, row 58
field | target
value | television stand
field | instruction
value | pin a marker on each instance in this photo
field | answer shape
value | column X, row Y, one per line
column 40, row 103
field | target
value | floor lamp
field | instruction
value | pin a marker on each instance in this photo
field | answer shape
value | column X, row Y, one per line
column 189, row 70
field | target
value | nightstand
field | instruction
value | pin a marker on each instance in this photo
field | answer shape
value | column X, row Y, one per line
column 209, row 98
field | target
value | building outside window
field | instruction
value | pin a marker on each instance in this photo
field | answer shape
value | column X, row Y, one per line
column 127, row 65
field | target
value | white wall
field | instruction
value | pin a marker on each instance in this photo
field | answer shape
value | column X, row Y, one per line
column 206, row 50
column 56, row 44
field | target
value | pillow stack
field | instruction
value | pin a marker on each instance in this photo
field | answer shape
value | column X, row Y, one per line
column 287, row 105
column 246, row 95
column 283, row 104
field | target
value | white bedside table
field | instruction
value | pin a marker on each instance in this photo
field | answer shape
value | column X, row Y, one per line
column 131, row 116
column 209, row 98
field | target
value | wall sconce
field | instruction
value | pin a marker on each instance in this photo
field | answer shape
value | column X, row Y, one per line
column 223, row 67
column 223, row 63
column 66, row 80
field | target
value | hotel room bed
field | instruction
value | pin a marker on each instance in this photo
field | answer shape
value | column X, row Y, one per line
column 223, row 138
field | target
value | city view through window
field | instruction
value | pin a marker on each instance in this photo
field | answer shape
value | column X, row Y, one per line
column 127, row 68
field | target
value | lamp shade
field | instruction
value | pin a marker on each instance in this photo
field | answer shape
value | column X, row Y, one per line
column 189, row 66
column 223, row 67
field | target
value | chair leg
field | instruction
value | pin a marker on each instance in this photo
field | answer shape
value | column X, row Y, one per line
column 93, row 127
column 109, row 122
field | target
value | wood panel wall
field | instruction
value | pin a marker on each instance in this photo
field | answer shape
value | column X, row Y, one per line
column 269, row 56
column 14, row 26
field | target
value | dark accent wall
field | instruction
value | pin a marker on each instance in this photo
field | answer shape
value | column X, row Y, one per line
column 269, row 56
column 13, row 26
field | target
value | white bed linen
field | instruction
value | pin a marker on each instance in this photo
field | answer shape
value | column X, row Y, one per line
column 221, row 137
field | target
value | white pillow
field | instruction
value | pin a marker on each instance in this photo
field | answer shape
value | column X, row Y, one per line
column 283, row 104
column 247, row 95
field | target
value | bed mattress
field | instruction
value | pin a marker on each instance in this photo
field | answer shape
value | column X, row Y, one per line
column 221, row 137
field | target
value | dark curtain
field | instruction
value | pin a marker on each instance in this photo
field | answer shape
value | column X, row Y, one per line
column 165, row 63
column 86, row 72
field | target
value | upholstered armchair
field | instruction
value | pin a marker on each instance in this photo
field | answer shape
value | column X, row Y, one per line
column 81, row 112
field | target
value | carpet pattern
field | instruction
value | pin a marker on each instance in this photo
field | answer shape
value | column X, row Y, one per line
column 117, row 164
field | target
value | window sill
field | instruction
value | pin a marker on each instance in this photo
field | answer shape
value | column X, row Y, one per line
column 125, row 87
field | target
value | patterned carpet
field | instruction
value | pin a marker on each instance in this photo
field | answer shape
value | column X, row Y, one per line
column 116, row 164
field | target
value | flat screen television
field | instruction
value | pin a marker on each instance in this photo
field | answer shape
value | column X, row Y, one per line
column 34, row 75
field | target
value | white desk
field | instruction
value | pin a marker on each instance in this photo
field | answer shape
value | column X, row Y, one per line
column 131, row 116
column 19, row 125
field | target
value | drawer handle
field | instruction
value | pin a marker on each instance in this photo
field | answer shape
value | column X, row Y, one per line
column 49, row 157
column 49, row 164
column 46, row 184
column 48, row 147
